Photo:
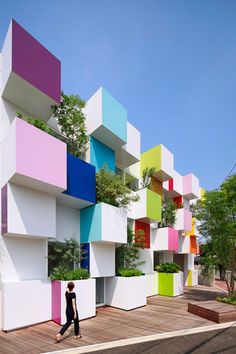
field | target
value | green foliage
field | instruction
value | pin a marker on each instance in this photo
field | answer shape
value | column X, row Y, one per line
column 168, row 213
column 207, row 260
column 65, row 256
column 71, row 121
column 129, row 272
column 128, row 255
column 146, row 177
column 217, row 212
column 40, row 124
column 168, row 268
column 74, row 274
column 227, row 300
column 111, row 189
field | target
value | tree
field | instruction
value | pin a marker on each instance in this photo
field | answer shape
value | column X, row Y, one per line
column 168, row 213
column 217, row 212
column 111, row 189
column 71, row 121
column 128, row 255
column 146, row 177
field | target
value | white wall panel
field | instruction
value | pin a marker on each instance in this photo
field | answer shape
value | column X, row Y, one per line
column 31, row 213
column 22, row 258
column 26, row 303
column 102, row 260
column 67, row 223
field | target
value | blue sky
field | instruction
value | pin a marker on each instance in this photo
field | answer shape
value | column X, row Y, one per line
column 171, row 63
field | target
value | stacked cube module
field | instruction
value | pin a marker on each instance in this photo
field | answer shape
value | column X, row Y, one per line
column 47, row 193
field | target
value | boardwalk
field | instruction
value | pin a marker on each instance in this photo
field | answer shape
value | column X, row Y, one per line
column 160, row 315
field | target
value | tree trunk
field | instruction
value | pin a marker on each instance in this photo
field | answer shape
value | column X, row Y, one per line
column 222, row 272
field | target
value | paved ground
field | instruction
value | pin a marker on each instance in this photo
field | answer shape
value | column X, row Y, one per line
column 221, row 284
column 215, row 342
column 162, row 314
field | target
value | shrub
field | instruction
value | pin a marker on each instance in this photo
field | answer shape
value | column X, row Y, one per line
column 112, row 190
column 75, row 274
column 129, row 272
column 227, row 300
column 168, row 268
column 65, row 256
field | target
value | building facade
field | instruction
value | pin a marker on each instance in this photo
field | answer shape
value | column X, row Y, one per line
column 48, row 194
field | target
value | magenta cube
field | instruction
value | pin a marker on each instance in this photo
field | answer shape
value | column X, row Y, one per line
column 31, row 74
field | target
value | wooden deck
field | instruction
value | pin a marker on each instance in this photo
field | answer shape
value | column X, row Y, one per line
column 162, row 314
column 213, row 311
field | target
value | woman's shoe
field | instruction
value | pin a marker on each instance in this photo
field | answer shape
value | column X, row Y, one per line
column 79, row 336
column 58, row 337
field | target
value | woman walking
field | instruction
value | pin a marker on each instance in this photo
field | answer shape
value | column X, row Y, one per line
column 71, row 312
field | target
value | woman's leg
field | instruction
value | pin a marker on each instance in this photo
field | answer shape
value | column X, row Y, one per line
column 66, row 325
column 76, row 325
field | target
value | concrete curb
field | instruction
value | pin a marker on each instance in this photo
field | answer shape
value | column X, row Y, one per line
column 136, row 340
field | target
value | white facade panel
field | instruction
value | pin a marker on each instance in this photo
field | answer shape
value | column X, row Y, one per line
column 85, row 298
column 26, row 303
column 8, row 160
column 102, row 260
column 178, row 283
column 184, row 244
column 133, row 141
column 134, row 170
column 160, row 239
column 126, row 293
column 31, row 213
column 138, row 209
column 6, row 58
column 167, row 161
column 22, row 259
column 152, row 284
column 114, row 224
column 67, row 223
column 93, row 112
column 146, row 256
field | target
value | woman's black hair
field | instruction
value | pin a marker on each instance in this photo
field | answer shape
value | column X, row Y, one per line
column 70, row 285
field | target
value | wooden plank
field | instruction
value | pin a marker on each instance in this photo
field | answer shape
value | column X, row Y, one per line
column 160, row 315
column 213, row 311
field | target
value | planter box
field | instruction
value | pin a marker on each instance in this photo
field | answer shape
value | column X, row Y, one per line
column 147, row 208
column 126, row 293
column 165, row 239
column 152, row 284
column 170, row 284
column 103, row 222
column 25, row 303
column 85, row 297
column 33, row 158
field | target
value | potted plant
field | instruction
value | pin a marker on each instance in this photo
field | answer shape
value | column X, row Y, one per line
column 170, row 279
column 127, row 290
column 64, row 261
